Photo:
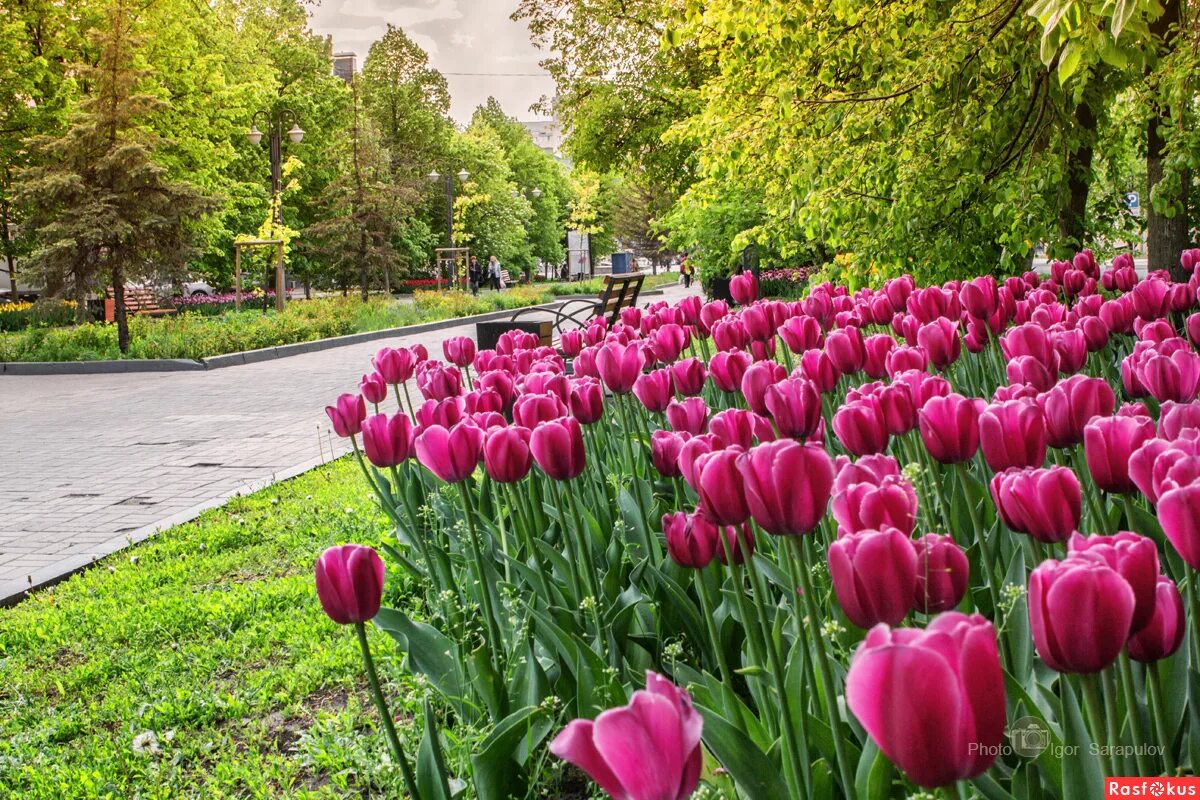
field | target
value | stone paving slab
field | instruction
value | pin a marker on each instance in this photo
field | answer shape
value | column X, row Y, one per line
column 92, row 463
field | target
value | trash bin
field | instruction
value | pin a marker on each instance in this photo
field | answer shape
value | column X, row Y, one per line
column 621, row 262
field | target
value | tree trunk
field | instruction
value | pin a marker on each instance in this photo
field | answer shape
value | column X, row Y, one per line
column 119, row 314
column 1072, row 227
column 362, row 264
column 387, row 278
column 308, row 289
column 1166, row 236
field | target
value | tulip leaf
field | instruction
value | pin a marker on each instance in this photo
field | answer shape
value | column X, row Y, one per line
column 988, row 787
column 429, row 653
column 499, row 766
column 757, row 775
column 822, row 780
column 873, row 778
column 1016, row 621
column 432, row 777
column 487, row 682
column 1082, row 775
column 1176, row 674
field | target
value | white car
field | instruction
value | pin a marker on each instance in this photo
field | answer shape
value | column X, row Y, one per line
column 198, row 288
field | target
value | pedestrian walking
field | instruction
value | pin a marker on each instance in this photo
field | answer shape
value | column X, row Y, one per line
column 494, row 272
column 685, row 272
column 473, row 275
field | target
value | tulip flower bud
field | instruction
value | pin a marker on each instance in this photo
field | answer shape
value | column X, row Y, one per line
column 688, row 416
column 373, row 388
column 1013, row 434
column 1176, row 418
column 689, row 376
column 942, row 574
column 654, row 390
column 743, row 288
column 1071, row 405
column 950, row 427
column 691, row 542
column 760, row 377
column 795, row 406
column 1080, row 612
column 874, row 576
column 861, row 427
column 940, row 341
column 787, row 486
column 1044, row 503
column 955, row 730
column 387, row 442
column 1134, row 557
column 669, row 341
column 1108, row 442
column 802, row 333
column 439, row 381
column 1179, row 515
column 890, row 503
column 506, row 454
column 451, row 454
column 350, row 583
column 619, row 366
column 347, row 414
column 587, row 400
column 1161, row 636
column 557, row 448
column 395, row 365
column 727, row 369
column 721, row 489
column 459, row 350
column 664, row 452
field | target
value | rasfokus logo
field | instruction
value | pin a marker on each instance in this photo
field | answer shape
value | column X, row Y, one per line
column 1151, row 787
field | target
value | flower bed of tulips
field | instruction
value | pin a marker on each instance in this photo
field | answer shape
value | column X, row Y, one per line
column 941, row 536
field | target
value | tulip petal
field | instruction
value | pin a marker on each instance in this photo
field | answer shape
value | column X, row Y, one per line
column 575, row 743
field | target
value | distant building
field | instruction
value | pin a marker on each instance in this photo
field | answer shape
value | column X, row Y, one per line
column 547, row 134
column 345, row 65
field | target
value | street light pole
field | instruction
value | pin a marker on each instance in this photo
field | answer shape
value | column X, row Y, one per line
column 274, row 123
column 448, row 183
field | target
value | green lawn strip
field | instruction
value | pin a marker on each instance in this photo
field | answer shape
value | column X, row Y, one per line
column 209, row 636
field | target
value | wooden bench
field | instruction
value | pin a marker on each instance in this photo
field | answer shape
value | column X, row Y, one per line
column 140, row 302
column 620, row 292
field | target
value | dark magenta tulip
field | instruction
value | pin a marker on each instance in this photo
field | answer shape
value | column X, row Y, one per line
column 1179, row 515
column 727, row 369
column 743, row 288
column 904, row 358
column 587, row 400
column 950, row 427
column 933, row 699
column 571, row 343
column 1134, row 557
column 1175, row 418
column 689, row 455
column 688, row 416
column 691, row 543
column 669, row 341
column 1013, row 434
column 1080, row 612
column 1162, row 635
column 350, row 583
column 440, row 412
column 760, row 377
column 689, row 376
column 557, row 448
column 890, row 503
column 451, row 454
column 373, row 388
column 818, row 367
column 787, row 486
column 940, row 341
column 942, row 574
column 396, row 365
column 439, row 381
column 506, row 454
column 1044, row 503
column 387, row 442
column 874, row 576
column 1071, row 405
column 654, row 390
column 619, row 365
column 1108, row 442
column 795, row 406
column 531, row 410
column 721, row 486
column 877, row 348
column 846, row 349
column 347, row 414
column 1031, row 371
column 802, row 333
column 664, row 452
column 861, row 427
column 459, row 350
column 647, row 750
column 740, row 428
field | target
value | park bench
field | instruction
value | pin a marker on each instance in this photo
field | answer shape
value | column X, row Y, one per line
column 620, row 292
column 141, row 302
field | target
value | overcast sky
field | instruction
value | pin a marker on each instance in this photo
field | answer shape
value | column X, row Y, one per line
column 461, row 36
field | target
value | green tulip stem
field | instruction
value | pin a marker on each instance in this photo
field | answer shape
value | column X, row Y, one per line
column 990, row 567
column 1112, row 717
column 1163, row 728
column 1135, row 717
column 794, row 766
column 389, row 727
column 627, row 429
column 587, row 564
column 1092, row 491
column 831, row 701
column 485, row 586
column 710, row 621
column 408, row 401
column 739, row 600
column 1127, row 500
column 525, row 531
column 1095, row 707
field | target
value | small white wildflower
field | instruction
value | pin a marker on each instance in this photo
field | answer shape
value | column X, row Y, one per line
column 146, row 744
column 911, row 472
column 832, row 629
column 348, row 510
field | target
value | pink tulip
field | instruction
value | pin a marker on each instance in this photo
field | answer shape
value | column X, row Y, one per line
column 387, row 442
column 482, row 401
column 721, row 490
column 899, row 411
column 395, row 365
column 756, row 320
column 692, row 540
column 738, row 427
column 905, row 358
column 1171, row 377
column 730, row 334
column 688, row 416
column 759, row 377
column 874, row 576
column 647, row 750
column 459, row 350
column 940, row 340
column 619, row 366
column 1161, row 636
column 1029, row 370
column 506, row 454
column 1044, row 503
column 654, row 390
column 1108, row 442
column 445, row 412
column 743, row 288
column 942, row 574
column 1193, row 329
column 571, row 343
column 795, row 406
column 664, row 452
column 861, row 427
column 350, row 583
column 846, row 349
column 1179, row 515
column 451, row 454
column 669, row 341
column 557, row 447
column 439, row 381
column 1071, row 405
column 950, row 427
column 933, row 699
column 1150, row 299
column 890, row 503
column 530, row 410
column 1079, row 612
column 1013, row 434
column 1175, row 418
column 347, row 414
column 711, row 313
column 689, row 456
column 1134, row 557
column 587, row 400
column 802, row 333
column 787, row 486
column 689, row 376
column 373, row 388
column 728, row 368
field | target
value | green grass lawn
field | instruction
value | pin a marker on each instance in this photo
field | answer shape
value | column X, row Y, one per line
column 209, row 637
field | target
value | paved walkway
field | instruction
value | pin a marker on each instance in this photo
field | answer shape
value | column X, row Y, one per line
column 92, row 463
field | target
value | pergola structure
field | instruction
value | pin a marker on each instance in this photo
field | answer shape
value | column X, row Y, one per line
column 280, row 290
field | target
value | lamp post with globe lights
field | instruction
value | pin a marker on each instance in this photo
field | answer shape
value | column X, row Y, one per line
column 448, row 182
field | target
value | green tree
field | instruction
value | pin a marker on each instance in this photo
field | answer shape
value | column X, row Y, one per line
column 99, row 202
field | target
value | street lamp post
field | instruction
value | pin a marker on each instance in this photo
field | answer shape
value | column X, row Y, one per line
column 448, row 182
column 275, row 123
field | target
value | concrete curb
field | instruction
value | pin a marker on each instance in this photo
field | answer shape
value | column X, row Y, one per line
column 13, row 592
column 256, row 356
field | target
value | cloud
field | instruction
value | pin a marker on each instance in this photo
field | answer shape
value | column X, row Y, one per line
column 402, row 13
column 462, row 40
